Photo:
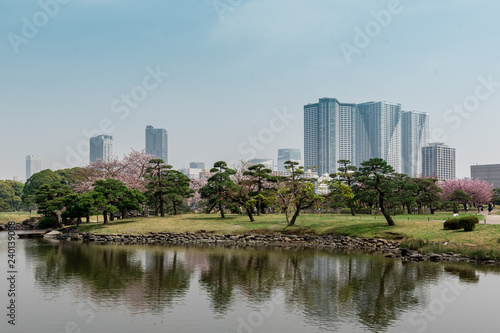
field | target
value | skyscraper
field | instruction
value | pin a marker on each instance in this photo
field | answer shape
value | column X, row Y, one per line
column 101, row 148
column 358, row 132
column 157, row 142
column 33, row 165
column 289, row 154
column 438, row 161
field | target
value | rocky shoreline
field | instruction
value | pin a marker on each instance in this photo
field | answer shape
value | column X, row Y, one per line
column 388, row 248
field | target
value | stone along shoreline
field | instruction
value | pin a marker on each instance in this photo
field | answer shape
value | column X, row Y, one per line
column 388, row 248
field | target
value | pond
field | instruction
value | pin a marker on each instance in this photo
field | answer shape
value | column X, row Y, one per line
column 77, row 287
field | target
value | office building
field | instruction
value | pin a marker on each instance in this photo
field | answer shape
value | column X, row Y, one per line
column 197, row 165
column 33, row 165
column 101, row 148
column 438, row 161
column 191, row 173
column 487, row 172
column 358, row 132
column 157, row 142
column 289, row 154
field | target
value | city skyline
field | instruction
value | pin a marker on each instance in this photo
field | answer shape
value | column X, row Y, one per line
column 157, row 142
column 336, row 131
column 231, row 85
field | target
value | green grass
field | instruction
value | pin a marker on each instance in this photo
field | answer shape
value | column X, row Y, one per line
column 422, row 232
column 17, row 217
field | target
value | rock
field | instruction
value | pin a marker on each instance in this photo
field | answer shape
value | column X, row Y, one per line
column 435, row 257
column 390, row 255
column 52, row 234
column 2, row 227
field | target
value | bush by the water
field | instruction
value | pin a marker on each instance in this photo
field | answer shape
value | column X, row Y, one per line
column 46, row 223
column 468, row 223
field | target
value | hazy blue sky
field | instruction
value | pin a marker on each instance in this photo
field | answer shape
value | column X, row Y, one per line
column 238, row 69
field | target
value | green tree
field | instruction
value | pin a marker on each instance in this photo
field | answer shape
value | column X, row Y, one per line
column 345, row 174
column 33, row 183
column 3, row 206
column 177, row 188
column 157, row 184
column 220, row 188
column 111, row 195
column 428, row 194
column 51, row 199
column 295, row 192
column 80, row 205
column 405, row 192
column 261, row 179
column 378, row 176
column 460, row 197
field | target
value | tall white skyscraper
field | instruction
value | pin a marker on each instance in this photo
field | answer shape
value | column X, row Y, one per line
column 438, row 161
column 101, row 148
column 33, row 165
column 157, row 142
column 358, row 132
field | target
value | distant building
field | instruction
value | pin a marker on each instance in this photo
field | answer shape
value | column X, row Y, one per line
column 487, row 172
column 358, row 132
column 157, row 142
column 268, row 162
column 438, row 161
column 288, row 155
column 197, row 165
column 191, row 173
column 33, row 165
column 101, row 148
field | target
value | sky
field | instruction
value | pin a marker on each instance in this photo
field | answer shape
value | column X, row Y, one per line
column 228, row 79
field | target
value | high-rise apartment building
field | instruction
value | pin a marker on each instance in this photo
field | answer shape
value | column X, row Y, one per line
column 101, row 148
column 357, row 132
column 33, row 165
column 415, row 127
column 289, row 154
column 157, row 142
column 438, row 161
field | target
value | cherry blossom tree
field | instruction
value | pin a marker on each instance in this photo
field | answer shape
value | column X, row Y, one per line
column 130, row 171
column 479, row 190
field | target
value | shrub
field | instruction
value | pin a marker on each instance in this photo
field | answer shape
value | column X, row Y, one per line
column 452, row 224
column 468, row 222
column 46, row 223
column 345, row 211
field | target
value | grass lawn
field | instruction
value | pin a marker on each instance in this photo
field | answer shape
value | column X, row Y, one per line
column 422, row 232
column 17, row 217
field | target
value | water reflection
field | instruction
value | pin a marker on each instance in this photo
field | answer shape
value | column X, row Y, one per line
column 328, row 289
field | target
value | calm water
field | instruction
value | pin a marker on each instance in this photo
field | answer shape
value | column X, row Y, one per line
column 70, row 287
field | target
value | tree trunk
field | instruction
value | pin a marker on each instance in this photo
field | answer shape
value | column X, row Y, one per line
column 221, row 211
column 78, row 221
column 388, row 218
column 111, row 217
column 294, row 217
column 174, row 205
column 250, row 214
column 408, row 208
column 259, row 207
column 87, row 219
column 162, row 208
column 353, row 213
column 105, row 216
column 124, row 213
